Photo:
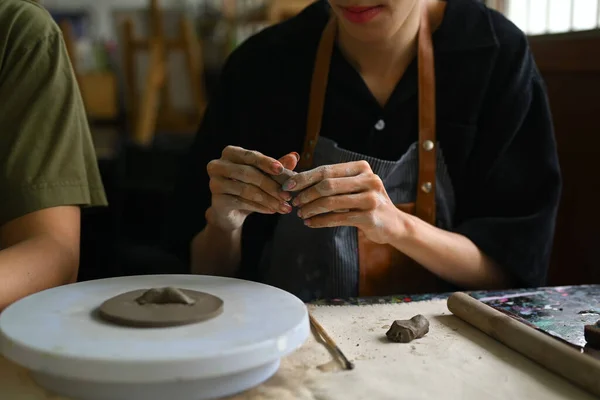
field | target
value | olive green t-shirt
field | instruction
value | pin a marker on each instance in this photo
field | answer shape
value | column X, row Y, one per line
column 47, row 158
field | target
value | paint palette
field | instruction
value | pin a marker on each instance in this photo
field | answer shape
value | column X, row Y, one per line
column 71, row 352
column 561, row 312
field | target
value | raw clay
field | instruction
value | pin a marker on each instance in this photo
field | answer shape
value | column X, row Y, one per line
column 284, row 176
column 168, row 295
column 405, row 331
column 156, row 308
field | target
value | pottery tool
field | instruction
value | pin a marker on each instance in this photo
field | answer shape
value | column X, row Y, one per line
column 330, row 343
column 579, row 368
column 138, row 337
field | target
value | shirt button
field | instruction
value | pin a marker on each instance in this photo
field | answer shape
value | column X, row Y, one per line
column 426, row 187
column 428, row 145
column 380, row 125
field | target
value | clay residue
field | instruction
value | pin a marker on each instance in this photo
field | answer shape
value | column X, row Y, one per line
column 405, row 331
column 284, row 176
column 330, row 366
column 167, row 295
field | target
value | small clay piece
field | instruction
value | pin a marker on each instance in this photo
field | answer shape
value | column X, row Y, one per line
column 592, row 335
column 168, row 295
column 405, row 331
column 284, row 176
column 160, row 307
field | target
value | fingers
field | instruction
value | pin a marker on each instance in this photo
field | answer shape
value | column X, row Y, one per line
column 234, row 203
column 309, row 178
column 361, row 201
column 249, row 193
column 247, row 174
column 289, row 161
column 284, row 176
column 238, row 155
column 331, row 187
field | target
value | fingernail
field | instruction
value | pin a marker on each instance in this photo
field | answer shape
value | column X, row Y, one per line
column 307, row 222
column 296, row 155
column 289, row 185
column 296, row 202
column 285, row 195
column 286, row 208
column 277, row 167
column 299, row 213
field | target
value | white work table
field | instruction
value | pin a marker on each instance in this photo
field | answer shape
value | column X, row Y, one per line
column 453, row 361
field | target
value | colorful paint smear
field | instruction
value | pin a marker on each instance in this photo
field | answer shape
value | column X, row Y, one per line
column 559, row 311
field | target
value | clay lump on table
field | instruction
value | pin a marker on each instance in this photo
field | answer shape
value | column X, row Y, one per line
column 405, row 331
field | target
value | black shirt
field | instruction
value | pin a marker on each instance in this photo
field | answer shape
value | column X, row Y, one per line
column 493, row 124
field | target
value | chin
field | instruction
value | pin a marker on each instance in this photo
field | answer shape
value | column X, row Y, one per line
column 371, row 34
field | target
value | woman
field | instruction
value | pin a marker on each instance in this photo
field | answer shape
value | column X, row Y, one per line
column 47, row 163
column 427, row 162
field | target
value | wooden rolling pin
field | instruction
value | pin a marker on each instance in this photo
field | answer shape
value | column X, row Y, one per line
column 581, row 369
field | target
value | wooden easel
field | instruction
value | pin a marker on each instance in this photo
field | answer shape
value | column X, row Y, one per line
column 98, row 88
column 280, row 10
column 155, row 110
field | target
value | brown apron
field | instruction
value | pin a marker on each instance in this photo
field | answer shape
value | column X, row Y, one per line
column 383, row 270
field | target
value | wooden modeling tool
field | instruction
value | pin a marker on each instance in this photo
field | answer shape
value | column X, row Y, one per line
column 331, row 345
column 580, row 369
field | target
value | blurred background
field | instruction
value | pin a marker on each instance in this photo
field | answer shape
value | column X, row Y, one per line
column 147, row 69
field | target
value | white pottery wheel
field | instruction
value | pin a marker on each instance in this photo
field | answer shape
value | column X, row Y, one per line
column 72, row 353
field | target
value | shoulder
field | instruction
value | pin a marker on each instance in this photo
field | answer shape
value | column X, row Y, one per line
column 471, row 25
column 512, row 41
column 513, row 51
column 490, row 46
column 24, row 24
column 276, row 48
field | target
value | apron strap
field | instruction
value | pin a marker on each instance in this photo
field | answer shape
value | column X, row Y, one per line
column 318, row 89
column 425, row 207
column 425, row 202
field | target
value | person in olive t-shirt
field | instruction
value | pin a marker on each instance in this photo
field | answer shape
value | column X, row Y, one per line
column 48, row 167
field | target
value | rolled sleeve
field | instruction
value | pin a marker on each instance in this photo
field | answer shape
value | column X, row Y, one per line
column 511, row 199
column 47, row 157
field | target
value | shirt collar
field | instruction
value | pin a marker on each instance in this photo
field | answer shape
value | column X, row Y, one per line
column 466, row 26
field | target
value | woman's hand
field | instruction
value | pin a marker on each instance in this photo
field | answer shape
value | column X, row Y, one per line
column 240, row 185
column 348, row 194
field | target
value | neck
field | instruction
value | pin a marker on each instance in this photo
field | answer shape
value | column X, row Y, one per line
column 387, row 57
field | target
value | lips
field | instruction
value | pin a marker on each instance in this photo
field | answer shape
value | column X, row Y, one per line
column 357, row 9
column 361, row 14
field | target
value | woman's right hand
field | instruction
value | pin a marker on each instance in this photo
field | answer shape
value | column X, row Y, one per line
column 240, row 185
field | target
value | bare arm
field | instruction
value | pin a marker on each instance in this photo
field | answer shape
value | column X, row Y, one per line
column 39, row 250
column 450, row 256
column 216, row 251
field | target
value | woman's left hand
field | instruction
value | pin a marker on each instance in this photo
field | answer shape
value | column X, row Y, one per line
column 348, row 194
